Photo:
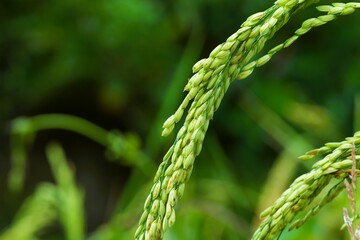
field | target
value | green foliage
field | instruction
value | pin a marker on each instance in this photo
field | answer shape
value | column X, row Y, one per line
column 122, row 64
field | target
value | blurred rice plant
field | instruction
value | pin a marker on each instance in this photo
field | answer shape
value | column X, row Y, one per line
column 69, row 198
column 63, row 202
column 123, row 148
column 35, row 215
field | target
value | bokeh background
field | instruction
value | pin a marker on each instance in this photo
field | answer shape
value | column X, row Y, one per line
column 122, row 65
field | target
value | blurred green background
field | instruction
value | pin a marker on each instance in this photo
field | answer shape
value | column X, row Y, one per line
column 122, row 64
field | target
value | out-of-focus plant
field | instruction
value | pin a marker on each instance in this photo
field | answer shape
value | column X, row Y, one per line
column 119, row 147
column 36, row 213
column 64, row 201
